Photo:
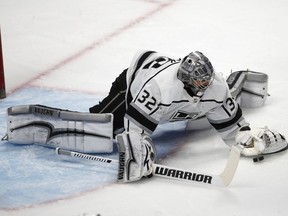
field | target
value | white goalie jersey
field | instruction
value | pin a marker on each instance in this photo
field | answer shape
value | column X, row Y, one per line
column 155, row 95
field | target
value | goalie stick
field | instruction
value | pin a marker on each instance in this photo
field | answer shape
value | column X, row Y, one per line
column 223, row 179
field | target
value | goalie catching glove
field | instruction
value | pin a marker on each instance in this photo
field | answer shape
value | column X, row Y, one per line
column 136, row 156
column 260, row 141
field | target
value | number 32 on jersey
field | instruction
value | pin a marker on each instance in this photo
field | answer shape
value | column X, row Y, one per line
column 147, row 100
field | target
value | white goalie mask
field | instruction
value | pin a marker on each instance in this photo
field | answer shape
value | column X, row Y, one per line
column 196, row 72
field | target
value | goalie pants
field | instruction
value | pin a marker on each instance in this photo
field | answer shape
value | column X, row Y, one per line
column 115, row 102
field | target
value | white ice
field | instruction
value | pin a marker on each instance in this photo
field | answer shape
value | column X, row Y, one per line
column 81, row 46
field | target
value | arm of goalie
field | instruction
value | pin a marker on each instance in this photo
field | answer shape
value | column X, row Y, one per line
column 51, row 127
column 260, row 141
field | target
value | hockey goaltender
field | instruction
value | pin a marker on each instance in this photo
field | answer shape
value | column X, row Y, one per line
column 153, row 90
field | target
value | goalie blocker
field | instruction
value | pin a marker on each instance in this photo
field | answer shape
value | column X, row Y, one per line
column 37, row 124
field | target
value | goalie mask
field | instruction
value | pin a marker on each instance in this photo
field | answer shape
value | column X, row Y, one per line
column 196, row 72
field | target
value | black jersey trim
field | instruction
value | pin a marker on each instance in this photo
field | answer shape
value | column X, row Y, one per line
column 180, row 101
column 139, row 63
column 238, row 116
column 141, row 119
column 153, row 77
column 211, row 100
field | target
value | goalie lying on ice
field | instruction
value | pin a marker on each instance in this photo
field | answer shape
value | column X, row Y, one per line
column 154, row 89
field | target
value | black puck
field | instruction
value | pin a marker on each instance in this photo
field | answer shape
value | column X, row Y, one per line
column 258, row 159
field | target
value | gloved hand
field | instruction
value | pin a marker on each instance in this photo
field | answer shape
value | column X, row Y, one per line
column 257, row 141
column 136, row 156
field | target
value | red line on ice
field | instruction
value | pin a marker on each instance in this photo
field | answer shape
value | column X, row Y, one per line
column 98, row 43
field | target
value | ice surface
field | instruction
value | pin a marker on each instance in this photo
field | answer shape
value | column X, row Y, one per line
column 66, row 54
column 32, row 174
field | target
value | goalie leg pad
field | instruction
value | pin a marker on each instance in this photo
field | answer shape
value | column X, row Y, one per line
column 136, row 156
column 249, row 88
column 83, row 132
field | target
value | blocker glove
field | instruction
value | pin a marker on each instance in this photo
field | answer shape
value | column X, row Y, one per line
column 259, row 141
column 136, row 156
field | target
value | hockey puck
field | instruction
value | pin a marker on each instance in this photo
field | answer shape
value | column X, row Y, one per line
column 258, row 159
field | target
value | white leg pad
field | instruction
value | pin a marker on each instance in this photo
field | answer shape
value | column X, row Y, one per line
column 83, row 132
column 249, row 88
